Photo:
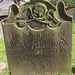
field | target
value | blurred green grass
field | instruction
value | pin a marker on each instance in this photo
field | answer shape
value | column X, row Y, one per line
column 2, row 52
column 3, row 57
column 73, row 27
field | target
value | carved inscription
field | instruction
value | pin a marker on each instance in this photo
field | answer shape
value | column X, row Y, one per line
column 37, row 43
column 15, row 36
column 38, row 46
column 48, row 35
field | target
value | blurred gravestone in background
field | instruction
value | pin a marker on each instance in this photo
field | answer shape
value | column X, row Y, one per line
column 74, row 16
column 38, row 39
column 4, row 6
column 19, row 2
column 1, row 32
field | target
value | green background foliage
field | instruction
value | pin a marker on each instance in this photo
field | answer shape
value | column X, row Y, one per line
column 68, row 3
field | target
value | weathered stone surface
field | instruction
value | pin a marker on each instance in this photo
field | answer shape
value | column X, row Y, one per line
column 1, row 31
column 38, row 39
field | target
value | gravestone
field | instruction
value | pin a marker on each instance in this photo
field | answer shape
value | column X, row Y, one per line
column 38, row 39
column 74, row 16
column 1, row 32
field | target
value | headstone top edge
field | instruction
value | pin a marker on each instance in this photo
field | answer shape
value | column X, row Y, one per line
column 18, row 9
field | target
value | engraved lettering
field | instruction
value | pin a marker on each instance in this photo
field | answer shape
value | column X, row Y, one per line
column 15, row 36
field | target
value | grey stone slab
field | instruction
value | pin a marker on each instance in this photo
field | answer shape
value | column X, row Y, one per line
column 4, row 13
column 4, row 6
column 1, row 31
column 38, row 39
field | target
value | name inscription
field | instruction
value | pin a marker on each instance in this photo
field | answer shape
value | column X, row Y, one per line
column 37, row 46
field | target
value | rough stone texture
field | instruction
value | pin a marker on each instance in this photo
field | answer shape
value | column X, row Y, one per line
column 38, row 39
